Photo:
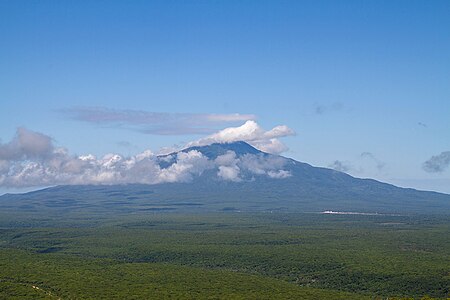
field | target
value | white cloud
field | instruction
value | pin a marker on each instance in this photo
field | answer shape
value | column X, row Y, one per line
column 227, row 165
column 260, row 164
column 187, row 164
column 273, row 146
column 279, row 174
column 230, row 166
column 251, row 133
column 227, row 159
column 229, row 173
column 278, row 131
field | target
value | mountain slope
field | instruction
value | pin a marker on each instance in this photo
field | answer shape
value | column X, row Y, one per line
column 238, row 178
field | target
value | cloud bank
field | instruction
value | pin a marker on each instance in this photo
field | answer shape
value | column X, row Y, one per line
column 437, row 163
column 30, row 159
column 26, row 144
column 251, row 133
column 155, row 122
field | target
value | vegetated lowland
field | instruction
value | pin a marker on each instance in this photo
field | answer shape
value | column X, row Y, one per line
column 228, row 255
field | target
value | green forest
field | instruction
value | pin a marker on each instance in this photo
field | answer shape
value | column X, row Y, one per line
column 224, row 256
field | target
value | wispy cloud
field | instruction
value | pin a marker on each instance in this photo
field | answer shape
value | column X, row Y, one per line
column 341, row 166
column 321, row 109
column 371, row 157
column 437, row 163
column 366, row 163
column 158, row 123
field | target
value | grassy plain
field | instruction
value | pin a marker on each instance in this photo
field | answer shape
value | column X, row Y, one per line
column 224, row 256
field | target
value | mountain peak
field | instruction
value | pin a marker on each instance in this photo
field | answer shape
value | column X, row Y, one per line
column 216, row 149
column 213, row 150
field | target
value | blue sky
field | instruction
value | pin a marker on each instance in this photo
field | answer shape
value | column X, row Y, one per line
column 364, row 84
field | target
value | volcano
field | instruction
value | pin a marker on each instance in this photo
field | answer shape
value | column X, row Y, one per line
column 238, row 178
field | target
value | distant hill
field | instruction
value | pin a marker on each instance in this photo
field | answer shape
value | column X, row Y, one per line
column 293, row 187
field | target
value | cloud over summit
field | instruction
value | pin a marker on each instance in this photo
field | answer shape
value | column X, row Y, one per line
column 251, row 133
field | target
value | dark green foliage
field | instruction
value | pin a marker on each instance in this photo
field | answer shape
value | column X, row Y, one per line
column 226, row 255
column 70, row 277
